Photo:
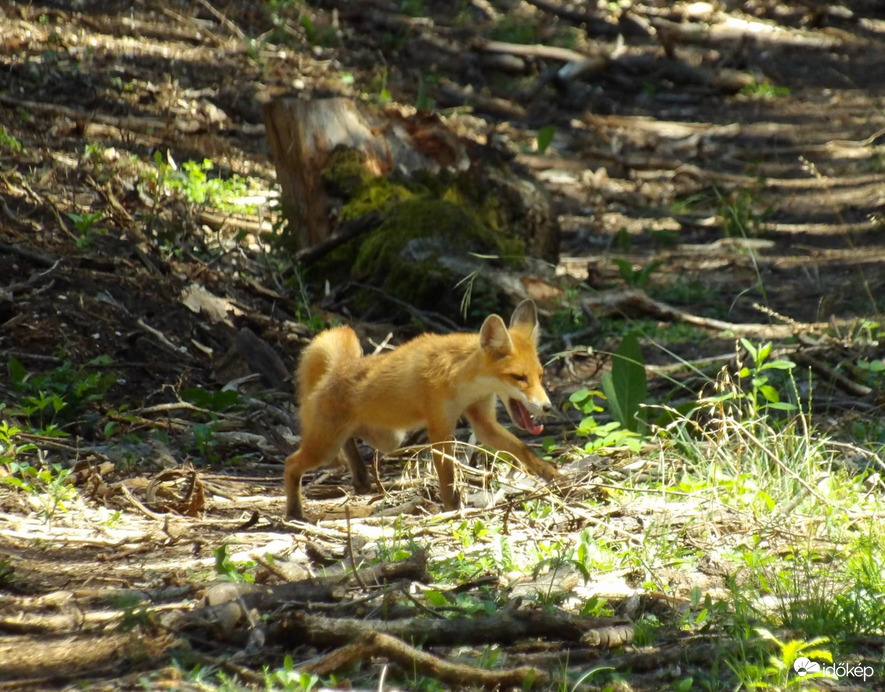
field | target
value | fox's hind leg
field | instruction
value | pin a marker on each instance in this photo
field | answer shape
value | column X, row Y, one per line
column 382, row 439
column 359, row 474
column 320, row 442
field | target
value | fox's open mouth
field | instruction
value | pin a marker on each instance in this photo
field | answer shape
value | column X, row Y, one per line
column 521, row 416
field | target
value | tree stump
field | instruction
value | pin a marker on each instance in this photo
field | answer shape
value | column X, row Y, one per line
column 349, row 173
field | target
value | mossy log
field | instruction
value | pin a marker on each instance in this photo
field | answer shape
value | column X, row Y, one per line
column 434, row 198
column 302, row 134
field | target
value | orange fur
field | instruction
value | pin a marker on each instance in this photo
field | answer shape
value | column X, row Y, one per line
column 429, row 382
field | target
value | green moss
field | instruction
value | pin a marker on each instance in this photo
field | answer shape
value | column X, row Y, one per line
column 437, row 229
column 344, row 173
column 409, row 255
column 496, row 201
column 422, row 229
column 376, row 194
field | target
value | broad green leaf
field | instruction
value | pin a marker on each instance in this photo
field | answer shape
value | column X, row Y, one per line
column 626, row 386
column 17, row 372
column 748, row 346
column 545, row 137
column 209, row 399
column 625, row 269
column 764, row 352
column 770, row 393
column 781, row 364
column 436, row 598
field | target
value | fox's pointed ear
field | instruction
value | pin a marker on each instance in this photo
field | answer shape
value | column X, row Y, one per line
column 525, row 318
column 494, row 337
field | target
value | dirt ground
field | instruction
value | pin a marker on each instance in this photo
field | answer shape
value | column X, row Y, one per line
column 747, row 159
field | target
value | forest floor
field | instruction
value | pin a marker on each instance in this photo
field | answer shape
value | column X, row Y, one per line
column 716, row 174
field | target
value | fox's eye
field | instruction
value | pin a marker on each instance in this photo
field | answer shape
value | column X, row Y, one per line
column 520, row 378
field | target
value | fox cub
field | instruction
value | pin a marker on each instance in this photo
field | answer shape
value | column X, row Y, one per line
column 429, row 382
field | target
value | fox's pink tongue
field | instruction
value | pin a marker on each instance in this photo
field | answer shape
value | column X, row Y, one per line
column 525, row 418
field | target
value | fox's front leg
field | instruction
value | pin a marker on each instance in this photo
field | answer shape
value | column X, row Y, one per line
column 444, row 462
column 489, row 431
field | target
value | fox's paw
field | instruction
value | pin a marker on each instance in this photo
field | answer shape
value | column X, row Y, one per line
column 543, row 469
column 299, row 520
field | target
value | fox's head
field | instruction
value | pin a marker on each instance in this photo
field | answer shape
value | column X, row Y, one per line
column 513, row 353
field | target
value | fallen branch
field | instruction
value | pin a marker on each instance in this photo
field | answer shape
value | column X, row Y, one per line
column 228, row 604
column 679, row 71
column 503, row 628
column 164, row 341
column 41, row 259
column 733, row 29
column 132, row 123
column 536, row 50
column 829, row 374
column 450, row 92
column 594, row 25
column 457, row 675
column 636, row 301
column 346, row 231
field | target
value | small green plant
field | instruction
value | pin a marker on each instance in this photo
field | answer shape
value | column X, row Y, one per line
column 9, row 580
column 514, row 27
column 193, row 181
column 301, row 303
column 413, row 8
column 212, row 400
column 569, row 316
column 813, row 600
column 603, row 435
column 636, row 278
column 646, row 630
column 686, row 289
column 874, row 371
column 228, row 570
column 379, row 85
column 581, row 558
column 317, row 34
column 400, row 546
column 764, row 91
column 289, row 679
column 664, row 237
column 204, row 442
column 698, row 202
column 469, row 533
column 739, row 216
column 791, row 666
column 537, row 509
column 763, row 395
column 423, row 100
column 255, row 50
column 10, row 142
column 10, row 448
column 87, row 228
column 347, row 78
column 55, row 398
column 49, row 483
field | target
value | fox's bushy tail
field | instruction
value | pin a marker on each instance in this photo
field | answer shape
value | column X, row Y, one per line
column 324, row 354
